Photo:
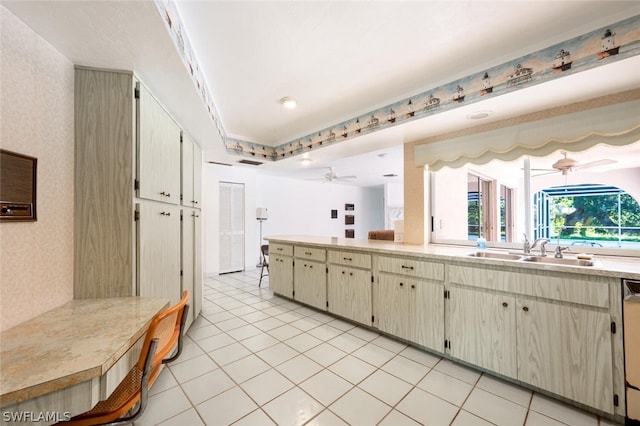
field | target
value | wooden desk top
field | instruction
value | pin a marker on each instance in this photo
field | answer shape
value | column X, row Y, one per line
column 73, row 343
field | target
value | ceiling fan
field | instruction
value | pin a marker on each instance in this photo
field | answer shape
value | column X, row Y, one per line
column 331, row 176
column 566, row 165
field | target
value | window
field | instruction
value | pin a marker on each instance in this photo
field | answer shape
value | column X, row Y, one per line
column 594, row 201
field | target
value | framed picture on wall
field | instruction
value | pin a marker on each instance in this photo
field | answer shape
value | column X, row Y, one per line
column 334, row 214
column 349, row 207
column 349, row 219
column 349, row 233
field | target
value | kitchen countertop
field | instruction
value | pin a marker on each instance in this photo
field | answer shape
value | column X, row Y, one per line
column 608, row 266
column 70, row 344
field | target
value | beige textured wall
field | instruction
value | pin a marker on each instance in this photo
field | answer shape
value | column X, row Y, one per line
column 36, row 110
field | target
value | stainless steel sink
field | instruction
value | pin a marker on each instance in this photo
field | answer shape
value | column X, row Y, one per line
column 491, row 255
column 561, row 261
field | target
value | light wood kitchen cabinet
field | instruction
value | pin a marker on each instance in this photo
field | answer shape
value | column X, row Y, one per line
column 127, row 233
column 191, row 180
column 412, row 309
column 566, row 350
column 310, row 283
column 281, row 274
column 481, row 329
column 191, row 261
column 159, row 251
column 158, row 171
column 349, row 293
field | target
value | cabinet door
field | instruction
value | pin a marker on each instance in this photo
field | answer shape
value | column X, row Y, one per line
column 197, row 176
column 349, row 293
column 159, row 251
column 310, row 283
column 158, row 151
column 187, row 259
column 197, row 264
column 566, row 350
column 281, row 275
column 427, row 318
column 393, row 307
column 186, row 181
column 481, row 329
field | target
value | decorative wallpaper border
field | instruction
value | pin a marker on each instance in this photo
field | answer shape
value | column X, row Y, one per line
column 596, row 48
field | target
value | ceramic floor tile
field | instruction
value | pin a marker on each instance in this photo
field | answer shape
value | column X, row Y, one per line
column 494, row 409
column 192, row 368
column 289, row 317
column 219, row 317
column 385, row 387
column 406, row 369
column 458, row 371
column 389, row 344
column 277, row 354
column 268, row 324
column 206, row 386
column 347, row 342
column 564, row 413
column 226, row 408
column 464, row 418
column 357, row 407
column 241, row 311
column 325, row 354
column 326, row 418
column 306, row 324
column 164, row 381
column 259, row 342
column 537, row 419
column 189, row 417
column 245, row 368
column 505, row 390
column 254, row 317
column 352, row 369
column 274, row 311
column 202, row 332
column 363, row 333
column 341, row 325
column 323, row 318
column 244, row 332
column 212, row 343
column 229, row 354
column 426, row 408
column 373, row 354
column 396, row 418
column 325, row 386
column 163, row 406
column 299, row 368
column 189, row 350
column 446, row 387
column 266, row 386
column 255, row 418
column 285, row 332
column 303, row 342
column 294, row 407
column 230, row 324
column 422, row 357
column 303, row 310
column 325, row 332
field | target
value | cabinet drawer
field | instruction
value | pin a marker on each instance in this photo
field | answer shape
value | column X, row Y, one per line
column 358, row 260
column 282, row 249
column 411, row 267
column 581, row 289
column 310, row 253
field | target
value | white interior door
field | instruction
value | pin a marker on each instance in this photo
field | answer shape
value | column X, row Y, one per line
column 231, row 227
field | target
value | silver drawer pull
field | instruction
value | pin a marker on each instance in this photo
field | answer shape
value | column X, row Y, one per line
column 348, row 259
column 407, row 267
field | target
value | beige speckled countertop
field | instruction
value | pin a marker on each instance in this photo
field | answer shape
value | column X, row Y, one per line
column 610, row 266
column 73, row 343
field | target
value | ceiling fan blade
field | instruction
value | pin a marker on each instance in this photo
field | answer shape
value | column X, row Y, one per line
column 603, row 162
column 549, row 172
column 347, row 177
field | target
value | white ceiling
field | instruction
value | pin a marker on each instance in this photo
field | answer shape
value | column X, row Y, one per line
column 338, row 59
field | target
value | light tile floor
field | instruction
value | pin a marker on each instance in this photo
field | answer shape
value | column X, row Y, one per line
column 255, row 359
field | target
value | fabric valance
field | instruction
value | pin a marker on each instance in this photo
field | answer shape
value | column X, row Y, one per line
column 615, row 125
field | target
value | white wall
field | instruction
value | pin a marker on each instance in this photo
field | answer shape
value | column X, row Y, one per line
column 36, row 99
column 295, row 207
column 394, row 204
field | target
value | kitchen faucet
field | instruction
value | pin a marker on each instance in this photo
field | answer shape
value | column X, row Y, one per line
column 559, row 250
column 528, row 246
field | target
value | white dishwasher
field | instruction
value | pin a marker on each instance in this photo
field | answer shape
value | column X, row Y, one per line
column 631, row 307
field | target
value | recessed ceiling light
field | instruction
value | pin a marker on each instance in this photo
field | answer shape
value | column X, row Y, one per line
column 478, row 115
column 306, row 161
column 288, row 102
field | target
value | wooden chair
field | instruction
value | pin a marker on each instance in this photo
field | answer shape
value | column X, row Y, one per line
column 129, row 399
column 264, row 249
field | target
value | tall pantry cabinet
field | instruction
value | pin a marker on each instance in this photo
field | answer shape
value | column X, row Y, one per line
column 129, row 175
